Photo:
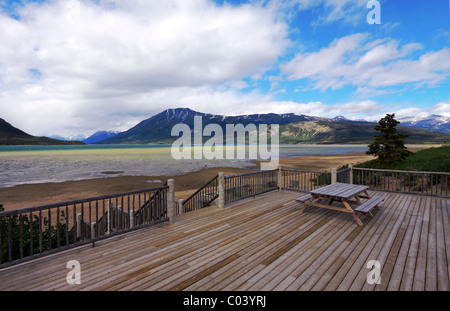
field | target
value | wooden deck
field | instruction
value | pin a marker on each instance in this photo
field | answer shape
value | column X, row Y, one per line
column 262, row 243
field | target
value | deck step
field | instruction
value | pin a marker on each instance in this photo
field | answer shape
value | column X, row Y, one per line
column 370, row 204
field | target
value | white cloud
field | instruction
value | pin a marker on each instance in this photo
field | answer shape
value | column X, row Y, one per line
column 74, row 67
column 326, row 66
column 411, row 112
column 408, row 110
column 87, row 57
column 442, row 108
column 328, row 11
column 368, row 65
column 367, row 110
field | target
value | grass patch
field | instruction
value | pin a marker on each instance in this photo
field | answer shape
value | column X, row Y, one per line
column 429, row 160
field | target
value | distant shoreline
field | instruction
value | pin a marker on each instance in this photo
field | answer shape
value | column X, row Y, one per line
column 52, row 164
column 28, row 195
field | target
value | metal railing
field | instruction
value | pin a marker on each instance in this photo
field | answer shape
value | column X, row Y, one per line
column 36, row 231
column 200, row 198
column 302, row 180
column 245, row 185
column 413, row 182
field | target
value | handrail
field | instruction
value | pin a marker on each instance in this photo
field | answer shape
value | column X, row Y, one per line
column 304, row 180
column 399, row 171
column 40, row 230
column 165, row 186
column 303, row 171
column 200, row 189
column 411, row 182
column 79, row 201
column 197, row 199
column 240, row 186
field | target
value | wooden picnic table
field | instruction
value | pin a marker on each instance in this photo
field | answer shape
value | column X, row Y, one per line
column 344, row 193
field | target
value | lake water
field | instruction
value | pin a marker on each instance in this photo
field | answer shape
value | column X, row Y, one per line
column 37, row 164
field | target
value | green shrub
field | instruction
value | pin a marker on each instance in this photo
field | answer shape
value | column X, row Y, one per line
column 17, row 224
column 322, row 179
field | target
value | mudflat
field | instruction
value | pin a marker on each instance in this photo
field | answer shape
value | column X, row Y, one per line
column 28, row 195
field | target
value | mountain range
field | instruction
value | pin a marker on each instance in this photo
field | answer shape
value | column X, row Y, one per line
column 434, row 123
column 294, row 128
column 92, row 139
column 157, row 129
column 10, row 135
column 99, row 136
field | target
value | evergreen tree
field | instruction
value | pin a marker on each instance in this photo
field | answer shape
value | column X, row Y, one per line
column 389, row 147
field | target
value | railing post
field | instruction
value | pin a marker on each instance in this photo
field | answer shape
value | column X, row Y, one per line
column 132, row 218
column 221, row 198
column 280, row 178
column 108, row 219
column 333, row 175
column 79, row 225
column 350, row 166
column 180, row 206
column 93, row 230
column 171, row 201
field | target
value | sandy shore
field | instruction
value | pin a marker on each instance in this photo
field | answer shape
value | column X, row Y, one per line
column 29, row 195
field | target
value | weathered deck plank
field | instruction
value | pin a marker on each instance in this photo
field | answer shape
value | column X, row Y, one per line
column 363, row 238
column 262, row 243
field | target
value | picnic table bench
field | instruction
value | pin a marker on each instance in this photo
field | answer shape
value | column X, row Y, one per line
column 369, row 205
column 344, row 193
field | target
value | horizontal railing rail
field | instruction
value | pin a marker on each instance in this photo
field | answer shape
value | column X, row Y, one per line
column 303, row 180
column 412, row 182
column 32, row 232
column 246, row 185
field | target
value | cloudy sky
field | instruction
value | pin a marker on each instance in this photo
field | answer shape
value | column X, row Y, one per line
column 70, row 67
